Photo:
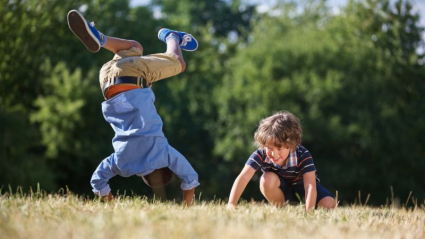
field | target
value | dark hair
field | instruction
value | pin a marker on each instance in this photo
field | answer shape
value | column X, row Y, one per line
column 283, row 128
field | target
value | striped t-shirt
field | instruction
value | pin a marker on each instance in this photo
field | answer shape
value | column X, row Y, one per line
column 299, row 162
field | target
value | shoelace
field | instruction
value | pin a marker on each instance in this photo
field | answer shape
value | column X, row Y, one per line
column 185, row 39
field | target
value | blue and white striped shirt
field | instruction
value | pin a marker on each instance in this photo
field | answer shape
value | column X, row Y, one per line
column 299, row 162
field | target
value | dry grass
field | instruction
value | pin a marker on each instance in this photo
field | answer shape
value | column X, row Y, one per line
column 69, row 216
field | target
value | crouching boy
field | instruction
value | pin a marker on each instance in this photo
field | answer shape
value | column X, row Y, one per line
column 287, row 166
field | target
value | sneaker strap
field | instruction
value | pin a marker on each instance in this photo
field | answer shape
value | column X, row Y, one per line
column 102, row 38
column 185, row 39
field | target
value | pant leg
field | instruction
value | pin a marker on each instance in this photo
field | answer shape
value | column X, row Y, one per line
column 288, row 191
column 160, row 66
column 321, row 191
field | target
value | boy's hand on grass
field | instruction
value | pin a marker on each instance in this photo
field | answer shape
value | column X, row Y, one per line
column 108, row 197
column 188, row 196
column 231, row 207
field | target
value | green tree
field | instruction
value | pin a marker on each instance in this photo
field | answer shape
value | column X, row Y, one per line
column 184, row 102
column 60, row 113
column 354, row 79
column 26, row 29
column 221, row 17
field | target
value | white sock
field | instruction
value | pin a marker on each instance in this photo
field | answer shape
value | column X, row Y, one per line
column 174, row 37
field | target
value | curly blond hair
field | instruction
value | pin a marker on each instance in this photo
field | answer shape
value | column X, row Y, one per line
column 283, row 128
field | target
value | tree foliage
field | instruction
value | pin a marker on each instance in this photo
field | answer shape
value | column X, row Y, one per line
column 354, row 79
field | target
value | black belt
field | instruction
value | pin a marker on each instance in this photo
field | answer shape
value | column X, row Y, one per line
column 125, row 80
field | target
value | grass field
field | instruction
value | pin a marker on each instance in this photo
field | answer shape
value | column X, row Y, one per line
column 69, row 216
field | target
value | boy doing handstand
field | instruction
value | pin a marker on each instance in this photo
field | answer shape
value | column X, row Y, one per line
column 287, row 166
column 140, row 145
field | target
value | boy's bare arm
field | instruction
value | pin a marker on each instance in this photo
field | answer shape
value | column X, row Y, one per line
column 239, row 186
column 310, row 190
column 188, row 196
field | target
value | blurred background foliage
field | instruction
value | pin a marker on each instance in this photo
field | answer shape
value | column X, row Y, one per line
column 355, row 79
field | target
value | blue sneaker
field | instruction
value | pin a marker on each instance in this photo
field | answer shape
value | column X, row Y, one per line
column 85, row 31
column 187, row 41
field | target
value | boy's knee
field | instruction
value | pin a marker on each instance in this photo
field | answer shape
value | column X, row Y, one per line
column 327, row 202
column 182, row 63
column 269, row 180
column 136, row 44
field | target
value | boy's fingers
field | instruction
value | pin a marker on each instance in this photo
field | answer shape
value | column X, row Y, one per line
column 231, row 207
column 108, row 197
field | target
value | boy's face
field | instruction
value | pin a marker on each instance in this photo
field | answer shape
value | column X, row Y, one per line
column 277, row 153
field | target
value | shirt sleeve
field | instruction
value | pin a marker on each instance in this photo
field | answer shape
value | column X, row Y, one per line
column 182, row 168
column 101, row 176
column 306, row 163
column 256, row 159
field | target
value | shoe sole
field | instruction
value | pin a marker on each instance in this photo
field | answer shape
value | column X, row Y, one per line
column 180, row 46
column 78, row 26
